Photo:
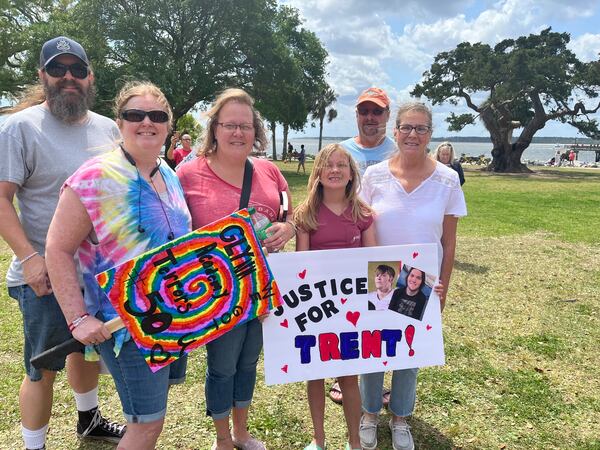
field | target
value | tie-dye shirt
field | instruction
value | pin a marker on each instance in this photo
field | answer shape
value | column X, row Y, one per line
column 117, row 202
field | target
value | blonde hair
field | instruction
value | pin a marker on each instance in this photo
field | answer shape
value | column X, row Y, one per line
column 436, row 153
column 209, row 141
column 138, row 88
column 305, row 215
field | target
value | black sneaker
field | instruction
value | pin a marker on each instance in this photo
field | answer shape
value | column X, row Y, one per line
column 99, row 428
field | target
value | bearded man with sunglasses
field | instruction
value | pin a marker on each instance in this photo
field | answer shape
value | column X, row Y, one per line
column 372, row 114
column 50, row 133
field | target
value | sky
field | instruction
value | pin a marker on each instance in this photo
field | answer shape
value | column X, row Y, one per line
column 390, row 43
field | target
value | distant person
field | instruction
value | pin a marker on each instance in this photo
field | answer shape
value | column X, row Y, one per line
column 572, row 156
column 410, row 299
column 372, row 114
column 379, row 299
column 178, row 154
column 557, row 157
column 290, row 152
column 444, row 153
column 49, row 135
column 301, row 159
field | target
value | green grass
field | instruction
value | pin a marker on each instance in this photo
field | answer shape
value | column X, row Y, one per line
column 521, row 331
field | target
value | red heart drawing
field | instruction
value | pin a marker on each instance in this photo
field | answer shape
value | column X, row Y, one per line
column 284, row 323
column 385, row 363
column 302, row 274
column 284, row 368
column 344, row 300
column 352, row 317
column 428, row 327
column 415, row 254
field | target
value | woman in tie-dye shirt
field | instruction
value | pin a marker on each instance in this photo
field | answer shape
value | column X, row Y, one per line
column 113, row 208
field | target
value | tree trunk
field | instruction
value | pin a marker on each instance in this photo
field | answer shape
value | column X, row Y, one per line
column 506, row 158
column 272, row 126
column 286, row 128
column 321, row 120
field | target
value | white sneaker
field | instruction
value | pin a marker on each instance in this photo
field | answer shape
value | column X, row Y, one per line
column 401, row 437
column 367, row 432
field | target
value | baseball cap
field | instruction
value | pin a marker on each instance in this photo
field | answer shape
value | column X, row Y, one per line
column 375, row 95
column 62, row 46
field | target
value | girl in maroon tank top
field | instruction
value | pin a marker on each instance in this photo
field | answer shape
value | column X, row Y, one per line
column 331, row 217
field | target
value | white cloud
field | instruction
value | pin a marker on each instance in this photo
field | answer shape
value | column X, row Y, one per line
column 586, row 47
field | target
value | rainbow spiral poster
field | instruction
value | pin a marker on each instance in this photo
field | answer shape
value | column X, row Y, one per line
column 183, row 294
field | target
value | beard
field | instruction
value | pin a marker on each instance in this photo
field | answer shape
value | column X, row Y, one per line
column 69, row 107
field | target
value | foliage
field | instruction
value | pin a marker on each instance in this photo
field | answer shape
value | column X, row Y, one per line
column 192, row 49
column 188, row 124
column 526, row 82
column 287, row 86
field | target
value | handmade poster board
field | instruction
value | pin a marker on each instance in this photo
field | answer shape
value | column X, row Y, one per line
column 183, row 294
column 324, row 327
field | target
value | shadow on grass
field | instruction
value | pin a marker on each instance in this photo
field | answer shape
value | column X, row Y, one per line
column 429, row 437
column 471, row 268
column 544, row 174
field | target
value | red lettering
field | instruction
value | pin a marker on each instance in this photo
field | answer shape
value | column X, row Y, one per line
column 329, row 346
column 371, row 344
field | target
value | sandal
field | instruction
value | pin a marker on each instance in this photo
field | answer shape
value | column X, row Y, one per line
column 335, row 393
column 386, row 397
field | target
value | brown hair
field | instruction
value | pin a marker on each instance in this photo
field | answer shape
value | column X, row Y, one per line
column 209, row 142
column 305, row 215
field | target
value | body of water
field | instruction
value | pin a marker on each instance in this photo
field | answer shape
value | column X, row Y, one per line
column 535, row 152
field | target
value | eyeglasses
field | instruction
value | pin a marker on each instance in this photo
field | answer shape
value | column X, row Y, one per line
column 338, row 166
column 420, row 129
column 374, row 111
column 244, row 127
column 137, row 115
column 186, row 139
column 58, row 70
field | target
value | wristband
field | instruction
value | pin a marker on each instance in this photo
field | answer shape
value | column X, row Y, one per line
column 77, row 321
column 27, row 258
column 294, row 228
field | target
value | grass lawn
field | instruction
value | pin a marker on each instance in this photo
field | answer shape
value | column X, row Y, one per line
column 522, row 327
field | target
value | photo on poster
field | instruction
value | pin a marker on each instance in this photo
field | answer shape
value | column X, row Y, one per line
column 411, row 295
column 382, row 276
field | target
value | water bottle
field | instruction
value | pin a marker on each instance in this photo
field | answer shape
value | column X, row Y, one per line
column 260, row 222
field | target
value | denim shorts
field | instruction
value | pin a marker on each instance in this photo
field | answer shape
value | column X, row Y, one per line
column 143, row 393
column 44, row 326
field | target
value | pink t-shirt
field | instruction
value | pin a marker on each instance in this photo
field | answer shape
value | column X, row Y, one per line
column 337, row 231
column 209, row 197
column 180, row 153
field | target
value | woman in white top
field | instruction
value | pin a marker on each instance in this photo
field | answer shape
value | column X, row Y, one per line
column 416, row 200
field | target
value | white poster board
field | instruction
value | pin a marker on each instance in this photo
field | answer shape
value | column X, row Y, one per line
column 325, row 328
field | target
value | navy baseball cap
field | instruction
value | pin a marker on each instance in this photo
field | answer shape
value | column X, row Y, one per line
column 62, row 46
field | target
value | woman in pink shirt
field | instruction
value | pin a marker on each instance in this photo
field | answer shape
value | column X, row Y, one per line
column 212, row 184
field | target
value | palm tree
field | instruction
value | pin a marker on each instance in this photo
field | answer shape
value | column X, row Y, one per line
column 320, row 110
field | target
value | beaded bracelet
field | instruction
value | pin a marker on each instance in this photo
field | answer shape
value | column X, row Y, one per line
column 27, row 258
column 77, row 321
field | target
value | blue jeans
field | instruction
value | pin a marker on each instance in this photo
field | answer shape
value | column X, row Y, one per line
column 44, row 326
column 403, row 392
column 231, row 369
column 143, row 394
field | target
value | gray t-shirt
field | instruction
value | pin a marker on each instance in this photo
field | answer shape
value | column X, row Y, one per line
column 38, row 153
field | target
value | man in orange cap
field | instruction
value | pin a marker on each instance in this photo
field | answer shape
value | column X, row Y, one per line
column 372, row 114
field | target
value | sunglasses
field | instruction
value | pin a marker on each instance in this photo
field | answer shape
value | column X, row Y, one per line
column 58, row 70
column 137, row 115
column 366, row 111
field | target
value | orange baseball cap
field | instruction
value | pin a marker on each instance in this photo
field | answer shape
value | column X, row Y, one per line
column 375, row 95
